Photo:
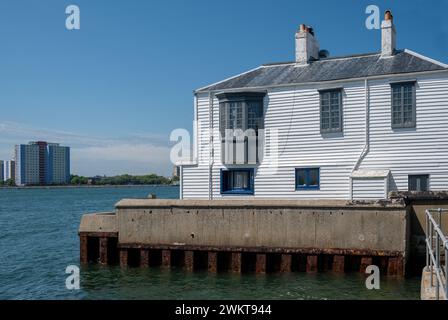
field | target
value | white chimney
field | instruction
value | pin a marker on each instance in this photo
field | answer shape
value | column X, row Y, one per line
column 388, row 35
column 307, row 47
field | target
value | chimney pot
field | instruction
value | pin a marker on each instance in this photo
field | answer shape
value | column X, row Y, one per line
column 388, row 35
column 388, row 15
column 307, row 47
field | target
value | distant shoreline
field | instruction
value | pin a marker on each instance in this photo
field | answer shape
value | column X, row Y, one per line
column 92, row 186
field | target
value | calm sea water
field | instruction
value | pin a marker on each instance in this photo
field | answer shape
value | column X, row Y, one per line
column 38, row 240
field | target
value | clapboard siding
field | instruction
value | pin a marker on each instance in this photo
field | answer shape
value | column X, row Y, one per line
column 423, row 150
column 294, row 113
column 369, row 188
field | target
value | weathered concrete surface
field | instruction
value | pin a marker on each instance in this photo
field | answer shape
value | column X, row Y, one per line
column 428, row 292
column 376, row 226
column 98, row 222
column 266, row 203
column 418, row 221
column 418, row 203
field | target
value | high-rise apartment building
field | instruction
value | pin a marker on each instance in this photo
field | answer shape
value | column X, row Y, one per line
column 58, row 164
column 2, row 168
column 42, row 163
column 9, row 170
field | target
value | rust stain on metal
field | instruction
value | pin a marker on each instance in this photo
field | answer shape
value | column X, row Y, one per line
column 285, row 265
column 103, row 250
column 309, row 251
column 236, row 262
column 260, row 266
column 212, row 261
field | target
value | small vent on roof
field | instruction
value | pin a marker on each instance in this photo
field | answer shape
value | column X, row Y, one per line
column 324, row 54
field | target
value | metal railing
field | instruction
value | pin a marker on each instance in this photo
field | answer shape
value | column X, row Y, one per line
column 437, row 252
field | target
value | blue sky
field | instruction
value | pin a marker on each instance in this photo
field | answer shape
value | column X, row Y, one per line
column 116, row 88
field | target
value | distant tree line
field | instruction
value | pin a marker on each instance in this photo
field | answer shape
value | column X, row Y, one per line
column 124, row 179
column 7, row 183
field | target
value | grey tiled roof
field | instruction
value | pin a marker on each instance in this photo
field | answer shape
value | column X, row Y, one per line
column 328, row 69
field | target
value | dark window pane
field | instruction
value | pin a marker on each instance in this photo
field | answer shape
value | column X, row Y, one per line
column 235, row 181
column 225, row 181
column 396, row 108
column 235, row 115
column 418, row 183
column 314, row 177
column 403, row 105
column 396, row 118
column 307, row 178
column 335, row 95
column 254, row 115
column 240, row 180
column 330, row 110
column 300, row 178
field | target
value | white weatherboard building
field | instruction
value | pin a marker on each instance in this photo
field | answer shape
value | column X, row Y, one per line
column 353, row 127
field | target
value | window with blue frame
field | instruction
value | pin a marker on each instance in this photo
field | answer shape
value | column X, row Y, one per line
column 307, row 179
column 237, row 181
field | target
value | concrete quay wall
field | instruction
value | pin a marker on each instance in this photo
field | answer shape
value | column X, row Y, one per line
column 315, row 225
column 249, row 236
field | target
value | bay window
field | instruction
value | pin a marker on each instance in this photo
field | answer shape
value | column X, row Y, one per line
column 240, row 121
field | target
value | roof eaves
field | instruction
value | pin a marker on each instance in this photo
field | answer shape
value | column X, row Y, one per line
column 207, row 88
column 418, row 55
column 273, row 64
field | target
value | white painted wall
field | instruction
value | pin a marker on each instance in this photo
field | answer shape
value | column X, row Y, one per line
column 369, row 188
column 423, row 150
column 294, row 111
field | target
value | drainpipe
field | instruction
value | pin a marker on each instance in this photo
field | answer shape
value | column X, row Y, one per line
column 211, row 147
column 195, row 157
column 181, row 189
column 366, row 148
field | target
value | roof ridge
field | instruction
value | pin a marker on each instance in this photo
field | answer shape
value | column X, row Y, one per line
column 359, row 55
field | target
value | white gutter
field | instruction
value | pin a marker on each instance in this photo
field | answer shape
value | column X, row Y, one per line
column 181, row 189
column 366, row 148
